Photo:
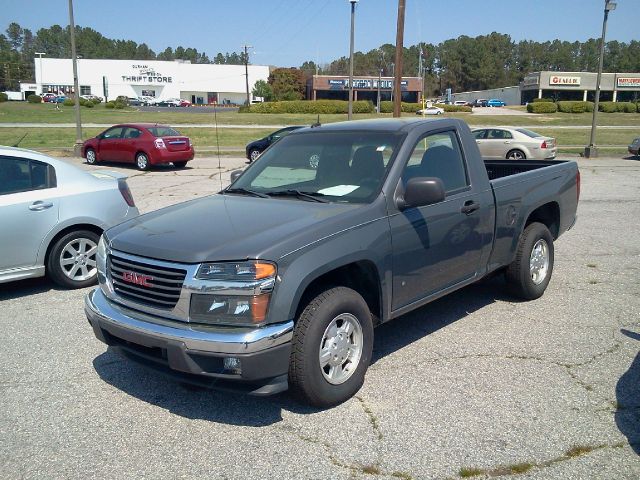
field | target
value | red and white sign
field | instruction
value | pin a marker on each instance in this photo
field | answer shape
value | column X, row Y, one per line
column 628, row 82
column 561, row 80
column 137, row 278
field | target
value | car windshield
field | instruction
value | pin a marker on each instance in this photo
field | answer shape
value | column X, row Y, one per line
column 528, row 133
column 163, row 131
column 344, row 167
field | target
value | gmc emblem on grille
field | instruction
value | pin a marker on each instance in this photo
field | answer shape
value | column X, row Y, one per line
column 137, row 278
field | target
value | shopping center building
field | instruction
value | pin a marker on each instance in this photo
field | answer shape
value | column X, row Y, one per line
column 336, row 87
column 197, row 83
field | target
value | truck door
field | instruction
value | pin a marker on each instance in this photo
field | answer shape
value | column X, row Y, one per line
column 438, row 245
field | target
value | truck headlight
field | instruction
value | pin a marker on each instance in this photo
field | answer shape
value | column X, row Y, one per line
column 101, row 259
column 256, row 277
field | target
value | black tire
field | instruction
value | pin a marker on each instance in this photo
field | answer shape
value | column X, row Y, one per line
column 142, row 161
column 306, row 378
column 91, row 156
column 516, row 154
column 519, row 273
column 179, row 164
column 254, row 153
column 55, row 269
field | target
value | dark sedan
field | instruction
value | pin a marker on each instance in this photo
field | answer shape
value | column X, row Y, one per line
column 634, row 147
column 255, row 148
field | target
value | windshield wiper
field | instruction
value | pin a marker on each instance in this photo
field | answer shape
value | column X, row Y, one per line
column 311, row 196
column 244, row 191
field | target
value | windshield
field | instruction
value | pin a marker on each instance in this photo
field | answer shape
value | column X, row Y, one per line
column 336, row 166
column 528, row 133
column 163, row 131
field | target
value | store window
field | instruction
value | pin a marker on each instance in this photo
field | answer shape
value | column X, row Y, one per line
column 85, row 90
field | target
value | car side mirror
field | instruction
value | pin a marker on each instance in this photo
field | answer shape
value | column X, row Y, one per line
column 421, row 191
column 235, row 174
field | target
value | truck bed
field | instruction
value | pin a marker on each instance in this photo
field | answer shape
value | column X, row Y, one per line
column 505, row 168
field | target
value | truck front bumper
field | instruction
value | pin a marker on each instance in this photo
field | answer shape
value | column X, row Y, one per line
column 195, row 353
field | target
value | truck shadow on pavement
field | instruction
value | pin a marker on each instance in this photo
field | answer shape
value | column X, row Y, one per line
column 245, row 410
column 25, row 288
column 628, row 400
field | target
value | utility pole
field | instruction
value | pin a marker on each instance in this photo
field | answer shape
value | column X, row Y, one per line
column 77, row 148
column 353, row 15
column 246, row 70
column 397, row 106
column 591, row 151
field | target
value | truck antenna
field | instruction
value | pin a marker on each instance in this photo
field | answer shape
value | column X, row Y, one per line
column 22, row 138
column 317, row 124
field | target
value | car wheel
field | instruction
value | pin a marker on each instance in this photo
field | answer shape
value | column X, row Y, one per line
column 91, row 157
column 331, row 348
column 516, row 155
column 179, row 164
column 254, row 153
column 72, row 259
column 142, row 161
column 529, row 274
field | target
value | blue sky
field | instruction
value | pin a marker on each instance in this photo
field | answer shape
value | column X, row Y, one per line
column 287, row 32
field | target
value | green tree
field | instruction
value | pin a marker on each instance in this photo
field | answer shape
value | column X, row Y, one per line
column 287, row 83
column 262, row 89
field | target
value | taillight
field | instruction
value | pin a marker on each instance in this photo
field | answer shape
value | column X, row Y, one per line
column 578, row 185
column 544, row 144
column 159, row 143
column 125, row 192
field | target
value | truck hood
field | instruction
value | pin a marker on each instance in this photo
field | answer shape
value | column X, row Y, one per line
column 228, row 227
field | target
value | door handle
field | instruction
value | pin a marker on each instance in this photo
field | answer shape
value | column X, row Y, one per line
column 507, row 141
column 469, row 207
column 40, row 205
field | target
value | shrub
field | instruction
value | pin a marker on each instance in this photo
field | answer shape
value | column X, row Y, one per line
column 611, row 107
column 89, row 104
column 4, row 97
column 627, row 107
column 542, row 107
column 535, row 100
column 575, row 107
column 119, row 105
column 95, row 101
column 32, row 98
column 607, row 107
column 111, row 104
column 68, row 102
column 306, row 106
column 456, row 108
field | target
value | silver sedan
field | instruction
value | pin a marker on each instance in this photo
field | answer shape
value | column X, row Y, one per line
column 514, row 144
column 52, row 215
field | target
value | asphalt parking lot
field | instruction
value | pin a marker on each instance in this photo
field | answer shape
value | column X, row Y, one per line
column 475, row 383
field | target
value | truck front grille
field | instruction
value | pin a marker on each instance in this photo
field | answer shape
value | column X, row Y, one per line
column 146, row 283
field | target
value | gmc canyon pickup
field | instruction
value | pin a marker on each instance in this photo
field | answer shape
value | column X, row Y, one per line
column 278, row 280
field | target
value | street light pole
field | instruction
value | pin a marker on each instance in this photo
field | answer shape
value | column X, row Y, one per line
column 246, row 70
column 77, row 148
column 379, row 80
column 591, row 151
column 40, row 54
column 353, row 15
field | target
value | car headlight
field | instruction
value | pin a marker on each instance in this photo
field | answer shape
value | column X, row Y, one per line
column 257, row 278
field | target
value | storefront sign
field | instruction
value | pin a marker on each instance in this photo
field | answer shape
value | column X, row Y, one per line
column 559, row 80
column 628, row 82
column 528, row 81
column 146, row 75
column 365, row 83
column 337, row 82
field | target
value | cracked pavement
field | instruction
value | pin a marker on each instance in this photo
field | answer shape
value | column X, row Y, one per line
column 475, row 380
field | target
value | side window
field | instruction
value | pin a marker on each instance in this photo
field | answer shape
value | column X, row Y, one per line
column 115, row 132
column 479, row 134
column 499, row 134
column 438, row 155
column 21, row 175
column 131, row 132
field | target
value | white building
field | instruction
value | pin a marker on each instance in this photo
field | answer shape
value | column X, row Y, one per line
column 197, row 83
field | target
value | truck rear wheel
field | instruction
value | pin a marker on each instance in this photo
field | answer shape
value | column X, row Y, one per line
column 529, row 274
column 331, row 350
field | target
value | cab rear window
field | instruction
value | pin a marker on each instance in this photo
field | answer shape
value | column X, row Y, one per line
column 163, row 131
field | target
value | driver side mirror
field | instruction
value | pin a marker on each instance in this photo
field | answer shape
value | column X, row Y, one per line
column 421, row 191
column 235, row 174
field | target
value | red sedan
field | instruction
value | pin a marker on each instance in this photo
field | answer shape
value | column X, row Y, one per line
column 144, row 144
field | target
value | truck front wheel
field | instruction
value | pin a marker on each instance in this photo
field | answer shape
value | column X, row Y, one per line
column 529, row 274
column 332, row 345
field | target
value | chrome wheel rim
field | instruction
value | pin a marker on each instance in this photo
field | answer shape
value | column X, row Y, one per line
column 255, row 154
column 142, row 161
column 516, row 156
column 341, row 348
column 91, row 156
column 78, row 259
column 539, row 262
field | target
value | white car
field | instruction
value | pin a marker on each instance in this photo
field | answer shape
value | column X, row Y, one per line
column 501, row 143
column 91, row 97
column 52, row 215
column 430, row 111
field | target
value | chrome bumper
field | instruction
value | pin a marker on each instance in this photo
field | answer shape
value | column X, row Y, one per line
column 226, row 340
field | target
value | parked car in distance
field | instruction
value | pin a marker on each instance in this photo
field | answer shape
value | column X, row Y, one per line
column 59, row 99
column 48, row 97
column 634, row 147
column 91, row 97
column 56, row 213
column 462, row 103
column 514, row 144
column 479, row 102
column 144, row 144
column 494, row 102
column 430, row 111
column 255, row 148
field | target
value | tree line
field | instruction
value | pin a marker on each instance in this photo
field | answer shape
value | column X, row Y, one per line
column 18, row 47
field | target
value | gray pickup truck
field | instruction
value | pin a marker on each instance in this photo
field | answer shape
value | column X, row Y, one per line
column 278, row 280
